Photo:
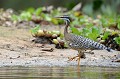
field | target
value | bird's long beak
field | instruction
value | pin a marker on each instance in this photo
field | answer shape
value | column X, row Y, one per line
column 58, row 17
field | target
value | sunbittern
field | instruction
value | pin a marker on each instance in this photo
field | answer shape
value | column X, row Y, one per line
column 80, row 43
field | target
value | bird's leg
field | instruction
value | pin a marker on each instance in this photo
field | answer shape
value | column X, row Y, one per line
column 79, row 55
column 70, row 59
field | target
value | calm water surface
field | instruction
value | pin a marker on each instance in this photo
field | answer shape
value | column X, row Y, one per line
column 72, row 72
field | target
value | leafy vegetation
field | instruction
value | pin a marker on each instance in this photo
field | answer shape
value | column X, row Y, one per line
column 117, row 39
column 54, row 37
column 81, row 24
column 35, row 30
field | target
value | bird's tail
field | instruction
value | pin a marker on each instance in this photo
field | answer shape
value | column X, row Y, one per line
column 109, row 49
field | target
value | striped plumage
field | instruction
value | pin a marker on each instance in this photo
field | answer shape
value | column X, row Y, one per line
column 80, row 43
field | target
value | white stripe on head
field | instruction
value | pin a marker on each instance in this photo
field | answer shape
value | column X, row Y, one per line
column 66, row 19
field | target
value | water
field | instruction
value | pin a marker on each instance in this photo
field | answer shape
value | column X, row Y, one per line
column 72, row 72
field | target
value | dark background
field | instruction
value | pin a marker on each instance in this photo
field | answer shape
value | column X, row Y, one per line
column 88, row 6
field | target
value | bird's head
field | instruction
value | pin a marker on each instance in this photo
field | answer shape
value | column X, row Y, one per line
column 66, row 18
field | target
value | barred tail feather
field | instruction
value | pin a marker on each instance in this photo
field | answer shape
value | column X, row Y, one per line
column 101, row 46
column 109, row 49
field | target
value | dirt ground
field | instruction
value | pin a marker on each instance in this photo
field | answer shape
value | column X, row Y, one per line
column 16, row 49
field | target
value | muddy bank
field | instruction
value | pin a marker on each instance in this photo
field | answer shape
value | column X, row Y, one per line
column 16, row 49
column 56, row 58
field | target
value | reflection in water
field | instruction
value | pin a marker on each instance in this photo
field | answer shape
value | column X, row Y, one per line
column 72, row 72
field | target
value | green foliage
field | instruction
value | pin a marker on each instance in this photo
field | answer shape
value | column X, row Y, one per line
column 105, row 35
column 79, row 20
column 117, row 39
column 91, row 33
column 29, row 13
column 35, row 30
column 25, row 16
column 46, row 17
column 38, row 11
column 14, row 17
column 75, row 31
column 90, row 27
column 85, row 32
column 104, row 22
column 118, row 21
column 118, row 26
column 109, row 21
column 31, row 10
column 95, row 32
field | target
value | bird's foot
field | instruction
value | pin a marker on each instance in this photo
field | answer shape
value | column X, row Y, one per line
column 72, row 58
column 76, row 57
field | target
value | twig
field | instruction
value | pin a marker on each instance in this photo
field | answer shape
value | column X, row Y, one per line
column 47, row 49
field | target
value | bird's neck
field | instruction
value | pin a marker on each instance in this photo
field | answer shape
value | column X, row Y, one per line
column 66, row 27
column 66, row 33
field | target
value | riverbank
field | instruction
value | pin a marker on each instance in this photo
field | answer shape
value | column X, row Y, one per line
column 16, row 49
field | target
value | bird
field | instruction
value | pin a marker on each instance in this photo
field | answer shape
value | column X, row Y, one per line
column 78, row 42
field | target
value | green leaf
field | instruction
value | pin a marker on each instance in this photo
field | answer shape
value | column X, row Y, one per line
column 92, row 36
column 104, row 22
column 95, row 33
column 85, row 32
column 35, row 30
column 89, row 25
column 25, row 16
column 38, row 11
column 31, row 10
column 118, row 26
column 117, row 40
column 48, row 18
column 14, row 17
column 55, row 21
column 61, row 35
column 105, row 35
column 75, row 30
column 75, row 22
column 95, row 30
